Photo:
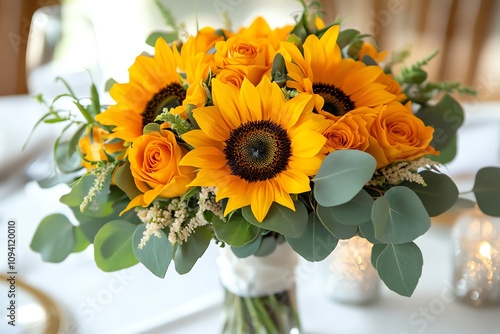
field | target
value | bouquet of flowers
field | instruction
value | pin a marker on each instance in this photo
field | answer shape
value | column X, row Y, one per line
column 303, row 134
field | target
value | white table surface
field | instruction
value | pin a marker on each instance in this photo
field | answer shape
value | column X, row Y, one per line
column 135, row 301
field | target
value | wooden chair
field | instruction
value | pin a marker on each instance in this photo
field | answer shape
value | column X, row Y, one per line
column 467, row 34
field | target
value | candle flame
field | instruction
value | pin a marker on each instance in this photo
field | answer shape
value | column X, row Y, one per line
column 485, row 249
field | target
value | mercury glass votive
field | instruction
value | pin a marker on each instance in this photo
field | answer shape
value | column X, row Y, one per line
column 351, row 277
column 476, row 246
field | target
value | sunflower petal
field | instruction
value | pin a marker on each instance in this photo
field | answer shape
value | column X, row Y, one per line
column 307, row 143
column 250, row 104
column 197, row 138
column 262, row 196
column 281, row 196
column 309, row 166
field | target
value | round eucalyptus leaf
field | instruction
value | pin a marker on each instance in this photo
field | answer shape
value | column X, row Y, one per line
column 487, row 190
column 400, row 267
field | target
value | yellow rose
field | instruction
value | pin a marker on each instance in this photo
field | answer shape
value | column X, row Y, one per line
column 154, row 162
column 369, row 50
column 252, row 58
column 93, row 149
column 399, row 135
column 347, row 132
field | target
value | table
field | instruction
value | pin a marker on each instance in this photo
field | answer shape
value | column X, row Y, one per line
column 135, row 301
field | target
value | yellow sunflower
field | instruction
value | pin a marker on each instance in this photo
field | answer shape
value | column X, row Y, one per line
column 154, row 84
column 255, row 146
column 338, row 84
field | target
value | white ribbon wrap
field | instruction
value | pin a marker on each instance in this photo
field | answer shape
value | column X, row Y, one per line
column 255, row 276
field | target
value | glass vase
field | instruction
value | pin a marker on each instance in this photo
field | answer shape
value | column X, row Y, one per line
column 476, row 253
column 260, row 295
column 351, row 277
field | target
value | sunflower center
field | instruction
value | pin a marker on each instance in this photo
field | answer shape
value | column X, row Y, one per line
column 169, row 97
column 336, row 101
column 258, row 150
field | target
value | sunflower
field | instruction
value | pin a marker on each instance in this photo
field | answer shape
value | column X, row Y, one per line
column 338, row 84
column 154, row 84
column 255, row 146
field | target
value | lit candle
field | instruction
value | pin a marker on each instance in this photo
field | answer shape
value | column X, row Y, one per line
column 351, row 277
column 477, row 258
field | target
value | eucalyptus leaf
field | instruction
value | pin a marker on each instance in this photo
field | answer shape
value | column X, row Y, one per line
column 400, row 267
column 281, row 219
column 399, row 216
column 267, row 246
column 169, row 37
column 358, row 210
column 278, row 70
column 54, row 238
column 487, row 190
column 91, row 225
column 439, row 195
column 156, row 254
column 98, row 206
column 339, row 230
column 446, row 117
column 342, row 175
column 190, row 251
column 236, row 232
column 316, row 243
column 81, row 242
column 113, row 246
column 377, row 249
column 248, row 249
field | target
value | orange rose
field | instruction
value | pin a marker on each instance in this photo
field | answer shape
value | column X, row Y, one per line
column 93, row 149
column 252, row 58
column 154, row 162
column 231, row 77
column 399, row 135
column 348, row 132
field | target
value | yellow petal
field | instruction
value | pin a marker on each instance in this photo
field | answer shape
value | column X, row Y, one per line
column 225, row 97
column 197, row 138
column 360, row 78
column 211, row 122
column 293, row 181
column 237, row 202
column 205, row 157
column 309, row 166
column 249, row 102
column 306, row 143
column 281, row 196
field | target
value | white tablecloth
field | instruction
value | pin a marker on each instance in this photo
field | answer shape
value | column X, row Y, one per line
column 135, row 301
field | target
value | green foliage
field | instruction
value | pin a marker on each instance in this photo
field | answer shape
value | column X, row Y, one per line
column 190, row 251
column 278, row 70
column 236, row 231
column 125, row 181
column 156, row 255
column 177, row 123
column 446, row 117
column 438, row 196
column 267, row 246
column 399, row 216
column 342, row 175
column 81, row 241
column 335, row 227
column 316, row 243
column 399, row 266
column 281, row 219
column 487, row 190
column 170, row 22
column 358, row 210
column 54, row 238
column 113, row 248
